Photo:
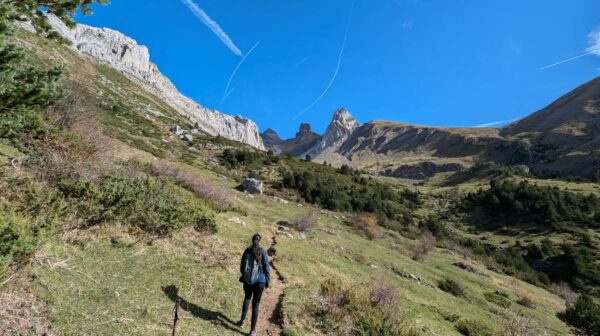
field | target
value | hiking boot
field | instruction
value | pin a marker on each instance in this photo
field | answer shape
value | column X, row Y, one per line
column 240, row 323
column 253, row 333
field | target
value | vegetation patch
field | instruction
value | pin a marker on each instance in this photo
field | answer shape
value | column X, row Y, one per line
column 348, row 310
column 452, row 287
column 498, row 298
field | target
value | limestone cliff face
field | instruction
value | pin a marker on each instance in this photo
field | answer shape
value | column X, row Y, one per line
column 124, row 54
column 339, row 130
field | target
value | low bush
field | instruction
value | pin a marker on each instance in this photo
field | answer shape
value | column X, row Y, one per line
column 473, row 328
column 346, row 310
column 333, row 190
column 584, row 316
column 526, row 301
column 425, row 245
column 497, row 298
column 220, row 198
column 366, row 225
column 517, row 324
column 452, row 287
column 155, row 205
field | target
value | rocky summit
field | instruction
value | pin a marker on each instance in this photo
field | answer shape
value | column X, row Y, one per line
column 124, row 54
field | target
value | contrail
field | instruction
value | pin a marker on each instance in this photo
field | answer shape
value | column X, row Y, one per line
column 228, row 93
column 210, row 23
column 496, row 123
column 225, row 93
column 337, row 68
column 302, row 61
column 567, row 60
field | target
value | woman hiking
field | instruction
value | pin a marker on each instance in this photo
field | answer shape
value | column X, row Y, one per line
column 255, row 276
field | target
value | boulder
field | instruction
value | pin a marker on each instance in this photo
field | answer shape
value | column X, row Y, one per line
column 253, row 186
column 187, row 137
column 177, row 130
column 237, row 220
column 522, row 169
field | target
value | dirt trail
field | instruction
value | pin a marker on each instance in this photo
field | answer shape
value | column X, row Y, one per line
column 271, row 314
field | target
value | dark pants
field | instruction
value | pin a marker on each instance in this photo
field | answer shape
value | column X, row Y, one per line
column 253, row 292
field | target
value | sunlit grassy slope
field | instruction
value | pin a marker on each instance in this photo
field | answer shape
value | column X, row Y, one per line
column 106, row 280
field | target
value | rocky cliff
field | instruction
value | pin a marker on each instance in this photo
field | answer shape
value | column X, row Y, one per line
column 340, row 128
column 124, row 54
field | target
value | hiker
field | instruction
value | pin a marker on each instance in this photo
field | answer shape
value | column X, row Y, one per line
column 255, row 276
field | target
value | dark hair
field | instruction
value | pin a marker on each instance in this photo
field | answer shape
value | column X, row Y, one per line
column 256, row 246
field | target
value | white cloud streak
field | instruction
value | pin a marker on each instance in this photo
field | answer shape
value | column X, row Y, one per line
column 337, row 68
column 212, row 25
column 496, row 123
column 566, row 60
column 592, row 49
column 226, row 93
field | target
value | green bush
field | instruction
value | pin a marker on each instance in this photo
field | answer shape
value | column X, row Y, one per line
column 155, row 205
column 584, row 316
column 473, row 328
column 547, row 207
column 497, row 298
column 452, row 287
column 375, row 312
column 335, row 190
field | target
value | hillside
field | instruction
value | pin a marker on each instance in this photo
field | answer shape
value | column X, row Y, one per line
column 109, row 216
column 561, row 140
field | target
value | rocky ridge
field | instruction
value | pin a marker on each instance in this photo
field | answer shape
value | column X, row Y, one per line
column 125, row 55
column 342, row 125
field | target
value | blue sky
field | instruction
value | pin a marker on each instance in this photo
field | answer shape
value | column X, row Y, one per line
column 432, row 62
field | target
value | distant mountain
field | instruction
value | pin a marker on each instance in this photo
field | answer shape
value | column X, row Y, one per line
column 342, row 125
column 304, row 140
column 124, row 54
column 562, row 139
column 271, row 140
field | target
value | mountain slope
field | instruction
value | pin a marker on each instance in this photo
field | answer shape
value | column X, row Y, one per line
column 125, row 55
column 340, row 128
column 304, row 140
column 109, row 278
column 562, row 139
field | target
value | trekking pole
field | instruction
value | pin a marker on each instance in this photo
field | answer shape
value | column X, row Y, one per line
column 175, row 315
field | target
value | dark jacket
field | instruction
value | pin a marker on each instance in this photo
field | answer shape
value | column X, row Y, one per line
column 265, row 275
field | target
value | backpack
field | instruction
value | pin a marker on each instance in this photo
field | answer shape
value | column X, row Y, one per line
column 252, row 269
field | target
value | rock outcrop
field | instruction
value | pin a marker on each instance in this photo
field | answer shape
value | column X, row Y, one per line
column 124, row 54
column 305, row 139
column 339, row 130
column 271, row 140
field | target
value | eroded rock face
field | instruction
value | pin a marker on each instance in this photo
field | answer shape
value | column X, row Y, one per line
column 124, row 54
column 341, row 127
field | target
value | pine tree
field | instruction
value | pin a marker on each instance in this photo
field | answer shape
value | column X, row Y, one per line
column 27, row 88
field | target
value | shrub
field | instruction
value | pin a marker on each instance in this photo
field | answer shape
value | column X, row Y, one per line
column 584, row 316
column 517, row 324
column 452, row 287
column 564, row 290
column 498, row 299
column 153, row 205
column 366, row 225
column 419, row 251
column 548, row 207
column 304, row 222
column 473, row 328
column 348, row 310
column 220, row 198
column 337, row 191
column 526, row 301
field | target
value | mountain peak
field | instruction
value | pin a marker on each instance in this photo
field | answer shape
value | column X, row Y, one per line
column 343, row 119
column 342, row 125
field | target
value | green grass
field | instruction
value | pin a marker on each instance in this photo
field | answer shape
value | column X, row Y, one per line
column 110, row 280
